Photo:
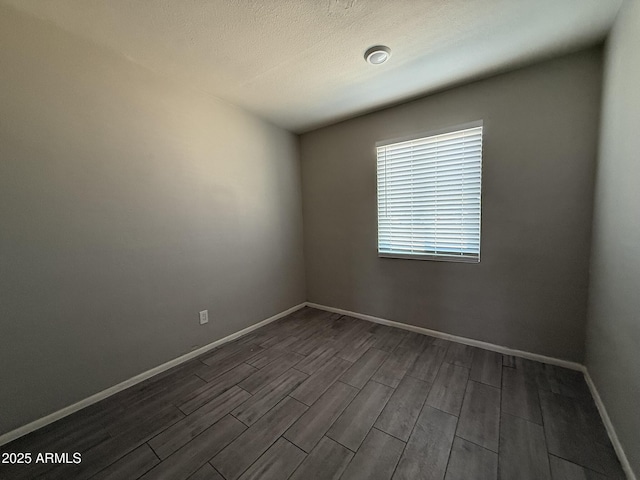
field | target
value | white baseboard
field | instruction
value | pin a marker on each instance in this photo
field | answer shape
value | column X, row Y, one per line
column 41, row 422
column 35, row 425
column 624, row 462
column 455, row 338
column 617, row 446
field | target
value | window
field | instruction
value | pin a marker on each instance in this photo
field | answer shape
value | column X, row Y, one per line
column 429, row 196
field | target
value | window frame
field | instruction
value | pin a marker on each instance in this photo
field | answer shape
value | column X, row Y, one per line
column 431, row 256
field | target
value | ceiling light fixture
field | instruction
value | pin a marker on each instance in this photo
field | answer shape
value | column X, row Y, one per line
column 377, row 55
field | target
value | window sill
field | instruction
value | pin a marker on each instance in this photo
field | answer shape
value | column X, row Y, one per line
column 437, row 258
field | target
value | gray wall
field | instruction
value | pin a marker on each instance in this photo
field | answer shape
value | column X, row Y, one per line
column 127, row 204
column 530, row 290
column 613, row 333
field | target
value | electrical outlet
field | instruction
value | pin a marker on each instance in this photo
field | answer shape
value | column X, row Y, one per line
column 204, row 317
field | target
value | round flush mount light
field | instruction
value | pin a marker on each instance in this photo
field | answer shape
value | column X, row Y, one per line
column 377, row 55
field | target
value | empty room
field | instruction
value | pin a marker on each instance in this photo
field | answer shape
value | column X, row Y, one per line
column 320, row 239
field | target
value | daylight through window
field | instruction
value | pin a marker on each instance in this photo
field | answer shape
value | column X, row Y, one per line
column 429, row 192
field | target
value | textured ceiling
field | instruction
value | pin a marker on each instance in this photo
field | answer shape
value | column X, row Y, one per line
column 299, row 63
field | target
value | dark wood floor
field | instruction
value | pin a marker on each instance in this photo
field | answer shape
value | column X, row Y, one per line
column 323, row 396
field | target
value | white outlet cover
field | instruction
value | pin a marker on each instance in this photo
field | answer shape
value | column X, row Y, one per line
column 204, row 317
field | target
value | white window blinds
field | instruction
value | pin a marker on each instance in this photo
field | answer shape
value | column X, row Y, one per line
column 429, row 196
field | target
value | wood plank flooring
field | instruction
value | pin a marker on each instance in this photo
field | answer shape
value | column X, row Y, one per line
column 317, row 395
